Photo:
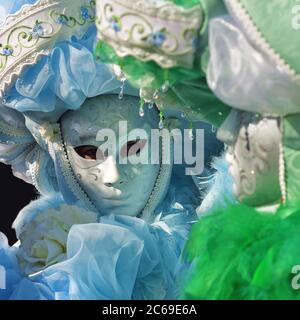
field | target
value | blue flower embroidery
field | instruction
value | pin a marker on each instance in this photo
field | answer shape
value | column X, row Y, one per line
column 7, row 51
column 195, row 42
column 115, row 23
column 62, row 20
column 84, row 13
column 37, row 31
column 157, row 38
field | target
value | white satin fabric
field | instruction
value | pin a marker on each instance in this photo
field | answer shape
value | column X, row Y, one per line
column 243, row 77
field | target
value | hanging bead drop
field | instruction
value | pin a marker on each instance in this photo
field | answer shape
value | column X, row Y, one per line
column 141, row 110
column 121, row 94
column 165, row 87
column 150, row 105
column 161, row 122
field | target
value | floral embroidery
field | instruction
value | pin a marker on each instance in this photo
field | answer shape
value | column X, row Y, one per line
column 6, row 50
column 37, row 31
column 149, row 30
column 85, row 13
column 115, row 23
column 62, row 19
column 157, row 38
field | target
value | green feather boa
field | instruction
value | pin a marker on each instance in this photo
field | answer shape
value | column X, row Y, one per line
column 239, row 253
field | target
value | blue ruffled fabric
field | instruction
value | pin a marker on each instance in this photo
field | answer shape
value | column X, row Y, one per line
column 57, row 83
column 119, row 258
column 124, row 257
column 9, row 7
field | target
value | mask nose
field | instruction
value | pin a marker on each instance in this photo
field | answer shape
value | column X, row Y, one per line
column 110, row 173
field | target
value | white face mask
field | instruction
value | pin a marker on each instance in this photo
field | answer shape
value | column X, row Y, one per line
column 253, row 155
column 113, row 187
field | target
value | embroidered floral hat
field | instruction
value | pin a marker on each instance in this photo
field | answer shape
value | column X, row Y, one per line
column 43, row 46
column 161, row 47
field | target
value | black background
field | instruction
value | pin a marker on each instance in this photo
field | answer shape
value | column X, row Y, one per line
column 92, row 310
column 15, row 195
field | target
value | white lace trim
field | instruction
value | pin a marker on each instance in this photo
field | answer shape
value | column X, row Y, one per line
column 59, row 154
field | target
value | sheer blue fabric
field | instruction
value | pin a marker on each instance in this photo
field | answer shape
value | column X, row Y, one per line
column 120, row 257
column 9, row 7
column 58, row 82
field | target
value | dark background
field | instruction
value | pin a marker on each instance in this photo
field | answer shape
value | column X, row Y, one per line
column 15, row 195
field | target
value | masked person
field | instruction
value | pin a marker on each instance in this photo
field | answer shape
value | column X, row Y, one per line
column 251, row 250
column 104, row 227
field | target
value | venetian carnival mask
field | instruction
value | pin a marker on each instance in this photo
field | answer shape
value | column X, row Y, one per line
column 106, row 169
column 253, row 154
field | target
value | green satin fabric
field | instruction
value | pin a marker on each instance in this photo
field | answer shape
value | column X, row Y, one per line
column 283, row 37
column 199, row 103
column 185, row 3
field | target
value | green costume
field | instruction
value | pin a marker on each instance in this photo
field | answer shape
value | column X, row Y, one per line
column 240, row 252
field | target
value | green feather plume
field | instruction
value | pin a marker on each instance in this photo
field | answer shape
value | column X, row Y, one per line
column 239, row 253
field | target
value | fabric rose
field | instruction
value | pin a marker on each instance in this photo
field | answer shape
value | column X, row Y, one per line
column 43, row 239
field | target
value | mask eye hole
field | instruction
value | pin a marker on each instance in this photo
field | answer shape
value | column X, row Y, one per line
column 87, row 152
column 133, row 147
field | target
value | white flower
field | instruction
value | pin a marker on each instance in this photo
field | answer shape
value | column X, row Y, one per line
column 49, row 133
column 43, row 240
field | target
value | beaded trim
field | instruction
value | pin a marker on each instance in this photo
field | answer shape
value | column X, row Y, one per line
column 58, row 152
column 282, row 168
column 240, row 13
column 161, row 182
column 15, row 132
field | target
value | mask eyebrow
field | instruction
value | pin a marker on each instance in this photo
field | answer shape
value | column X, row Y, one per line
column 90, row 132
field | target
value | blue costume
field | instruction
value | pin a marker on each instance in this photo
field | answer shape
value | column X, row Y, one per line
column 94, row 256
